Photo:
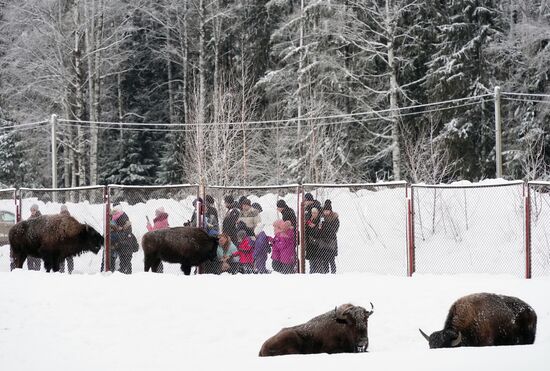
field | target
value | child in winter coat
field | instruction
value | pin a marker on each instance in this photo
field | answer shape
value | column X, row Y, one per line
column 284, row 253
column 245, row 252
column 262, row 247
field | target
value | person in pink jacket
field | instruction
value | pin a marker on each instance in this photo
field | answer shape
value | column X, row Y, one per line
column 160, row 221
column 283, row 252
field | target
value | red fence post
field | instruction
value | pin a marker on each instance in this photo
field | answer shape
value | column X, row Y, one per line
column 527, row 200
column 410, row 232
column 301, row 230
column 107, row 201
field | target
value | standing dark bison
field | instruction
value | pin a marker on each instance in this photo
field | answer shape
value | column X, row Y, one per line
column 342, row 330
column 52, row 238
column 188, row 246
column 486, row 319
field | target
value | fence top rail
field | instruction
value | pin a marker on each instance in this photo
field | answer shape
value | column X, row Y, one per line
column 256, row 187
column 474, row 185
column 7, row 189
column 152, row 186
column 84, row 188
column 382, row 184
column 539, row 182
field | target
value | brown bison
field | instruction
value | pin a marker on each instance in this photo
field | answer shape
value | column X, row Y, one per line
column 342, row 330
column 52, row 238
column 486, row 319
column 188, row 246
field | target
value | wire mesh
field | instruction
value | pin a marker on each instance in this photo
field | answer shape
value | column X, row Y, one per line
column 85, row 204
column 145, row 208
column 8, row 217
column 372, row 234
column 469, row 229
column 276, row 249
column 539, row 193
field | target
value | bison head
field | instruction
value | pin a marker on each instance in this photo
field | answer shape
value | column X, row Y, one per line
column 357, row 318
column 92, row 239
column 443, row 339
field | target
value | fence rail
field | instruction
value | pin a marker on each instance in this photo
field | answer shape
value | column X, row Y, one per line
column 388, row 228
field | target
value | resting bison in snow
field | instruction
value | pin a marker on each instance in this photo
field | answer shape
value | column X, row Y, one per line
column 342, row 330
column 486, row 319
column 188, row 246
column 52, row 238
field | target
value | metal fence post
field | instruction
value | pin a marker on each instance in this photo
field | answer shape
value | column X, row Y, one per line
column 301, row 230
column 410, row 231
column 498, row 135
column 107, row 233
column 527, row 202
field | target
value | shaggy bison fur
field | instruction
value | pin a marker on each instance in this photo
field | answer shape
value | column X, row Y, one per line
column 486, row 319
column 188, row 246
column 342, row 330
column 52, row 238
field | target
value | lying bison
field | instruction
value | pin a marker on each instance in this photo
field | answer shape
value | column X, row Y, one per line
column 342, row 330
column 188, row 246
column 486, row 319
column 52, row 238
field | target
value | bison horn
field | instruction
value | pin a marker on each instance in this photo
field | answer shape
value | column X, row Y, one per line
column 456, row 342
column 371, row 309
column 423, row 334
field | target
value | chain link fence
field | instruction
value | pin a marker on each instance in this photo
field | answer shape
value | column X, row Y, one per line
column 145, row 208
column 85, row 204
column 8, row 217
column 452, row 229
column 372, row 233
column 539, row 196
column 469, row 229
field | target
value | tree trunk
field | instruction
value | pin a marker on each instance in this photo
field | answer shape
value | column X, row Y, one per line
column 396, row 153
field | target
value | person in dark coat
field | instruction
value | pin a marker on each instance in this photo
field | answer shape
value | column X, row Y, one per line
column 286, row 212
column 311, row 231
column 310, row 203
column 34, row 264
column 212, row 212
column 123, row 241
column 328, row 244
column 229, row 224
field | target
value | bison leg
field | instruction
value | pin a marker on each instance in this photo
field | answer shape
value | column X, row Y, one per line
column 186, row 269
column 18, row 260
column 154, row 263
column 157, row 267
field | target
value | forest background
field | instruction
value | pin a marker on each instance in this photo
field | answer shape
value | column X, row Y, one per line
column 256, row 92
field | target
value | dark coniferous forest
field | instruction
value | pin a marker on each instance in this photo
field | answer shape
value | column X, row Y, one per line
column 256, row 92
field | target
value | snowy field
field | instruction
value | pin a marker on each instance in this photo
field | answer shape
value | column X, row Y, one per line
column 150, row 321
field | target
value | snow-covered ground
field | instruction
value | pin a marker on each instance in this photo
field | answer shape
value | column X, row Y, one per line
column 149, row 321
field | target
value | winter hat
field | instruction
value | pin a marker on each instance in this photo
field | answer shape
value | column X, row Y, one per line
column 328, row 205
column 34, row 207
column 209, row 199
column 257, row 206
column 281, row 204
column 228, row 200
column 197, row 199
column 282, row 225
column 308, row 197
column 63, row 208
column 160, row 210
column 244, row 201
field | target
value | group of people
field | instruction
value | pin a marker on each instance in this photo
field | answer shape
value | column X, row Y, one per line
column 244, row 246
